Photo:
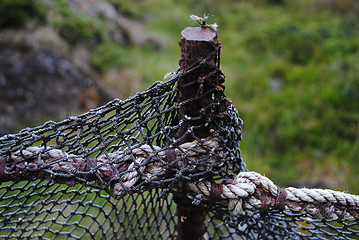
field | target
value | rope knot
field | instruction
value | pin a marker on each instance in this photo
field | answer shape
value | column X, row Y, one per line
column 280, row 199
column 216, row 191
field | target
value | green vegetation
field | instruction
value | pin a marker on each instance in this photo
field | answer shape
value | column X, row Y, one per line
column 292, row 71
column 308, row 124
column 76, row 28
column 15, row 13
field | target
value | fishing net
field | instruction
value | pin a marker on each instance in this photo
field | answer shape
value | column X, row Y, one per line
column 131, row 169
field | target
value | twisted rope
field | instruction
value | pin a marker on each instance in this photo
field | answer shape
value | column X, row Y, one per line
column 251, row 191
column 247, row 192
column 130, row 164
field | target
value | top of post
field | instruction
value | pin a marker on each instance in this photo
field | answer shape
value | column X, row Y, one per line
column 199, row 34
column 198, row 44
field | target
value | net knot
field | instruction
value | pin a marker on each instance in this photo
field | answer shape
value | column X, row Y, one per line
column 327, row 210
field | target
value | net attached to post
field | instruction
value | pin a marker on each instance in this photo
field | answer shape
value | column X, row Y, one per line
column 139, row 168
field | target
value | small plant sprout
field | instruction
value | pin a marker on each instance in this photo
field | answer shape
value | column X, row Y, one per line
column 202, row 22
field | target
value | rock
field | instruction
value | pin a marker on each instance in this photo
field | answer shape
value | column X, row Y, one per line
column 95, row 8
column 123, row 82
column 80, row 57
column 43, row 76
column 39, row 81
column 48, row 38
column 119, row 27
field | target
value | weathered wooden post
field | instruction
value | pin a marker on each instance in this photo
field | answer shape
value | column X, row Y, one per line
column 199, row 101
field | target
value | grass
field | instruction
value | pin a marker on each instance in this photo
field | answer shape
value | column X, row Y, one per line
column 309, row 127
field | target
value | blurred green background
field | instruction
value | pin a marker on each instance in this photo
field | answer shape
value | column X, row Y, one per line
column 292, row 71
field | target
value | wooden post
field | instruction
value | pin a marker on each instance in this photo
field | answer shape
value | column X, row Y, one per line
column 197, row 90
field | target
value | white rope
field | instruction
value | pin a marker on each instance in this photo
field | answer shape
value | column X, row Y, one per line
column 249, row 191
column 319, row 203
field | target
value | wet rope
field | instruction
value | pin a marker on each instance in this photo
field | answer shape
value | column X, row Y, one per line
column 247, row 192
column 251, row 191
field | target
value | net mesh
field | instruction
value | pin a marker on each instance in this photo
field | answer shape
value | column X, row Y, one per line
column 97, row 175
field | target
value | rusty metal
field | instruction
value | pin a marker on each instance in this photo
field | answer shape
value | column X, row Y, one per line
column 190, row 219
column 201, row 92
column 201, row 98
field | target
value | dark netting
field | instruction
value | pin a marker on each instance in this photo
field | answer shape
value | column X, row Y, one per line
column 121, row 171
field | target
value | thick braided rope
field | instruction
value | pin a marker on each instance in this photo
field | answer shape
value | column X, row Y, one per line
column 56, row 160
column 247, row 192
column 251, row 191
